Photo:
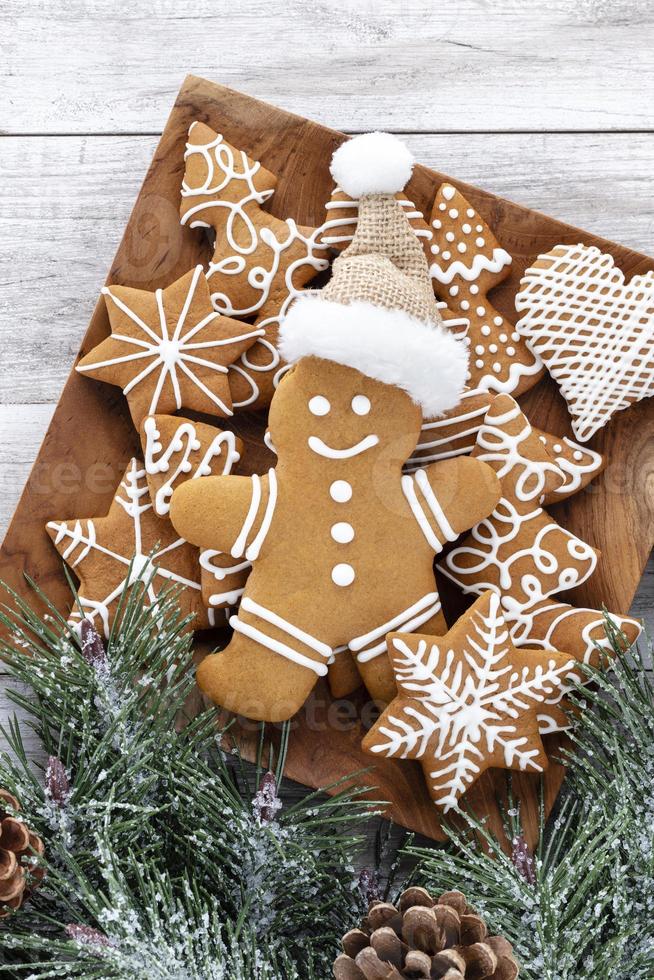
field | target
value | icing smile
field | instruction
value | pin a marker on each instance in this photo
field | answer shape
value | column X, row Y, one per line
column 322, row 449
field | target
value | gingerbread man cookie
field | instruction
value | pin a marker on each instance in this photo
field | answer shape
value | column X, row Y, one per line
column 169, row 349
column 260, row 262
column 467, row 262
column 468, row 701
column 131, row 544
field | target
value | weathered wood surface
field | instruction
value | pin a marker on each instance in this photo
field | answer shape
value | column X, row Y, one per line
column 618, row 520
column 88, row 66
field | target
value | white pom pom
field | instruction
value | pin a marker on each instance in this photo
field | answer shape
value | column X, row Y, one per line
column 374, row 163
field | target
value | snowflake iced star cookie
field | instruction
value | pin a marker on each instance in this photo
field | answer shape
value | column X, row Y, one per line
column 467, row 701
column 260, row 262
column 129, row 544
column 467, row 262
column 593, row 331
column 169, row 349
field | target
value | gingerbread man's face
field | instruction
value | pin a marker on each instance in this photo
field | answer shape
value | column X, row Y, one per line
column 323, row 411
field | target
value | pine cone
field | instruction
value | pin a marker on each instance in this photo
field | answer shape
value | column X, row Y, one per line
column 18, row 849
column 440, row 939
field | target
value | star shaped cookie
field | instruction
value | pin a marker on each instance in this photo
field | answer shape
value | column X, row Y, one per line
column 130, row 544
column 467, row 701
column 169, row 349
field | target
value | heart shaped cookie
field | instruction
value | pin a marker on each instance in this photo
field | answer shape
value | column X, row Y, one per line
column 593, row 331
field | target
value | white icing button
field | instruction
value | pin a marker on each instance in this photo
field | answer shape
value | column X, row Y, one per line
column 493, row 348
column 462, row 247
column 498, row 321
column 442, row 207
column 479, row 364
column 342, row 574
column 467, row 228
column 481, row 310
column 454, row 290
column 435, row 249
column 486, row 330
column 557, row 447
column 465, row 305
column 479, row 242
column 474, row 288
column 515, row 335
column 319, row 405
column 577, row 454
column 503, row 338
column 446, row 255
column 497, row 367
column 340, row 491
column 360, row 405
column 437, row 223
column 510, row 351
column 479, row 349
column 453, row 213
column 479, row 228
column 470, row 213
column 448, row 192
column 342, row 532
column 449, row 236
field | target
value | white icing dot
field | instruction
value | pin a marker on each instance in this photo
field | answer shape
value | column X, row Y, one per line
column 498, row 321
column 481, row 310
column 479, row 227
column 515, row 336
column 340, row 491
column 479, row 242
column 342, row 532
column 465, row 305
column 449, row 236
column 437, row 223
column 493, row 348
column 510, row 351
column 503, row 338
column 454, row 290
column 479, row 364
column 442, row 207
column 486, row 330
column 462, row 247
column 448, row 192
column 447, row 255
column 360, row 405
column 557, row 447
column 577, row 454
column 497, row 367
column 435, row 249
column 470, row 212
column 479, row 349
column 342, row 574
column 474, row 289
column 319, row 405
column 453, row 213
column 467, row 228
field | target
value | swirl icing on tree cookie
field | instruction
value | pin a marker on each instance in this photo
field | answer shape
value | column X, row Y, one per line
column 369, row 355
column 130, row 544
column 593, row 331
column 260, row 262
column 467, row 262
column 169, row 349
column 468, row 701
column 521, row 553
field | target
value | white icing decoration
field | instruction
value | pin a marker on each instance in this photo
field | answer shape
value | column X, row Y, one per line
column 343, row 574
column 254, row 549
column 268, row 616
column 456, row 716
column 184, row 441
column 448, row 191
column 342, row 532
column 584, row 461
column 228, row 597
column 319, row 405
column 480, row 263
column 361, row 405
column 319, row 447
column 171, row 351
column 419, row 480
column 239, row 546
column 448, row 444
column 340, row 491
column 593, row 331
column 406, row 621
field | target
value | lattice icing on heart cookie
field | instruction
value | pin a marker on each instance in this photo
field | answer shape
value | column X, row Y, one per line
column 169, row 349
column 468, row 701
column 260, row 262
column 521, row 553
column 129, row 544
column 466, row 262
column 593, row 331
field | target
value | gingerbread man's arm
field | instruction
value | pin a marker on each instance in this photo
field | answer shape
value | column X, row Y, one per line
column 231, row 514
column 451, row 496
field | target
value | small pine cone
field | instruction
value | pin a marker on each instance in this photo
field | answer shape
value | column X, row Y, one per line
column 19, row 849
column 422, row 938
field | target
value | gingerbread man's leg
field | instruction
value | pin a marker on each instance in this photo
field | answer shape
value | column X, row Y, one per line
column 268, row 669
column 370, row 648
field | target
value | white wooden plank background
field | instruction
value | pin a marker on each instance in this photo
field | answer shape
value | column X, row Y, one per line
column 547, row 103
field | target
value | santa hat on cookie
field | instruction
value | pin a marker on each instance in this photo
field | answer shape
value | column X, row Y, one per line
column 378, row 313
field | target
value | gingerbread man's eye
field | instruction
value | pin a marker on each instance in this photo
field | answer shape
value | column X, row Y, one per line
column 319, row 405
column 360, row 405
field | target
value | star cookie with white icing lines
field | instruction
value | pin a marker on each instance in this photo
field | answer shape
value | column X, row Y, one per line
column 129, row 544
column 169, row 349
column 467, row 702
column 260, row 262
column 467, row 262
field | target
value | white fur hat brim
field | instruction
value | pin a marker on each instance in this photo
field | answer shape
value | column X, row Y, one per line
column 423, row 359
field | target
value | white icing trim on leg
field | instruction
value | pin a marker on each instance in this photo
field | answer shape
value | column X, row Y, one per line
column 268, row 616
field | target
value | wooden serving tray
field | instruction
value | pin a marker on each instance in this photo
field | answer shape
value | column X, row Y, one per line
column 91, row 437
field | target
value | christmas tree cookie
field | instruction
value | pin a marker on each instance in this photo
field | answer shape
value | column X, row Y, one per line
column 468, row 701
